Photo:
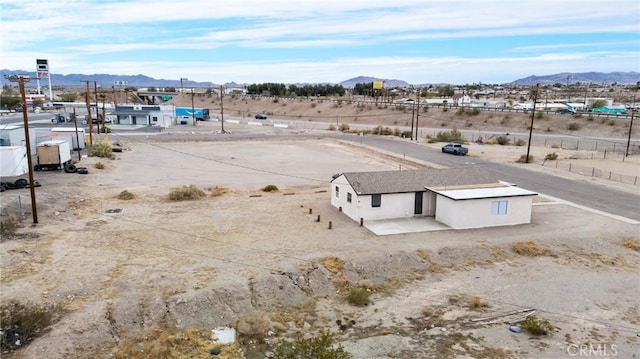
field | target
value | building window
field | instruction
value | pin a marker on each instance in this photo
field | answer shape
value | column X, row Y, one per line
column 349, row 197
column 337, row 192
column 376, row 200
column 154, row 119
column 499, row 208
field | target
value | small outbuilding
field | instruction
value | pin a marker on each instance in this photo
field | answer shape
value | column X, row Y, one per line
column 458, row 197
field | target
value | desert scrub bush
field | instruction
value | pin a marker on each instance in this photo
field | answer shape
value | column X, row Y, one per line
column 631, row 244
column 275, row 100
column 552, row 156
column 319, row 347
column 99, row 165
column 450, row 136
column 21, row 323
column 523, row 159
column 186, row 193
column 100, row 150
column 477, row 303
column 405, row 134
column 331, row 127
column 126, row 195
column 529, row 249
column 8, row 227
column 502, row 140
column 611, row 122
column 573, row 126
column 105, row 129
column 535, row 326
column 358, row 296
column 313, row 105
column 270, row 188
column 218, row 191
column 520, row 142
column 343, row 127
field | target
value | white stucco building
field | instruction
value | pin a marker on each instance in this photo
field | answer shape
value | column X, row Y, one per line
column 459, row 197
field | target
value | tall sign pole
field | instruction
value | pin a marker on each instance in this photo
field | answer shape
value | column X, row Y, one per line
column 21, row 81
column 42, row 70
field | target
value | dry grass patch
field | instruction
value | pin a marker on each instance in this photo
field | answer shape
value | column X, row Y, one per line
column 218, row 191
column 631, row 244
column 333, row 264
column 341, row 282
column 164, row 342
column 529, row 249
column 477, row 303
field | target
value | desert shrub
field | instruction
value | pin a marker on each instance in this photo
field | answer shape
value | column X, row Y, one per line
column 502, row 140
column 520, row 142
column 405, row 134
column 396, row 131
column 573, row 126
column 631, row 244
column 313, row 105
column 535, row 326
column 126, row 195
column 105, row 129
column 21, row 323
column 100, row 150
column 460, row 111
column 540, row 115
column 184, row 193
column 529, row 249
column 275, row 100
column 450, row 136
column 477, row 302
column 523, row 159
column 552, row 156
column 331, row 127
column 270, row 188
column 99, row 165
column 611, row 122
column 358, row 296
column 218, row 191
column 474, row 111
column 590, row 118
column 343, row 127
column 8, row 227
column 320, row 347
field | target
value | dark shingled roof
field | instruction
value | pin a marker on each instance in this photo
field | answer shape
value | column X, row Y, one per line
column 416, row 180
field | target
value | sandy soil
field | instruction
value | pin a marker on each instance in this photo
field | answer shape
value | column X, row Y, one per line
column 257, row 261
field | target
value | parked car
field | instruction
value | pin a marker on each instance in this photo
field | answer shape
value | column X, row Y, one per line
column 261, row 116
column 455, row 148
column 565, row 111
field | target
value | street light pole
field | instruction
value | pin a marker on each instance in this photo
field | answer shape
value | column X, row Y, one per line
column 193, row 109
column 21, row 79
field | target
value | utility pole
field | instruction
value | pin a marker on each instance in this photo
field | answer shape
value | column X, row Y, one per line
column 193, row 109
column 633, row 111
column 95, row 91
column 413, row 110
column 418, row 114
column 21, row 79
column 533, row 113
column 222, row 110
column 89, row 119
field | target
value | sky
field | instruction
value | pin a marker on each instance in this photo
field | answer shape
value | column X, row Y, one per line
column 309, row 41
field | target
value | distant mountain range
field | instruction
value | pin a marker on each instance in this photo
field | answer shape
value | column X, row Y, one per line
column 583, row 77
column 107, row 80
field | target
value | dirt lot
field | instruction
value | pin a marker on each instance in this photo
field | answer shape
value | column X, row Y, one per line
column 261, row 263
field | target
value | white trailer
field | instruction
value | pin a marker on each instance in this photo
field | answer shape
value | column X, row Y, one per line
column 53, row 154
column 77, row 142
column 13, row 161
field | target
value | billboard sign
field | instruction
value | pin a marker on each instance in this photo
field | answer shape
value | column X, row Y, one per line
column 378, row 85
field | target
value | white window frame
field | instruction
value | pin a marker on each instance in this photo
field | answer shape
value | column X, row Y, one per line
column 499, row 208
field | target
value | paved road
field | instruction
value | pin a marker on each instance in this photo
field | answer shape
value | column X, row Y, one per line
column 586, row 194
